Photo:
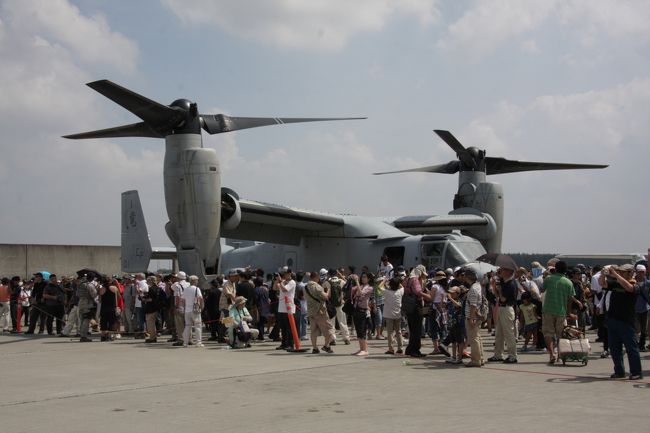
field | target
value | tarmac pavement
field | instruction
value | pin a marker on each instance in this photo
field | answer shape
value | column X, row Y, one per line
column 54, row 385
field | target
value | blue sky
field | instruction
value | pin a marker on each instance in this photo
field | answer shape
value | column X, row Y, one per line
column 542, row 80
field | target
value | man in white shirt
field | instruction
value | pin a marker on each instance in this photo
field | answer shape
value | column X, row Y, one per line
column 385, row 268
column 178, row 287
column 286, row 287
column 141, row 289
column 192, row 303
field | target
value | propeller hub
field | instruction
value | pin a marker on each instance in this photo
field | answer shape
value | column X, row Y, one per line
column 182, row 103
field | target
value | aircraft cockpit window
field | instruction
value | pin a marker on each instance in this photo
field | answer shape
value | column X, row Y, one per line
column 432, row 254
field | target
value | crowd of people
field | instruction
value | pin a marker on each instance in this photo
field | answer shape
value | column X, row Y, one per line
column 454, row 309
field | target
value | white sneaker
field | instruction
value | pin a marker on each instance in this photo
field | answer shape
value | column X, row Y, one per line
column 200, row 345
column 185, row 346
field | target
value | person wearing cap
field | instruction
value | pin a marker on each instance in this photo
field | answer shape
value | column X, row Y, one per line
column 239, row 332
column 228, row 293
column 559, row 297
column 641, row 309
column 178, row 287
column 505, row 290
column 318, row 319
column 473, row 302
column 619, row 282
column 334, row 285
column 192, row 301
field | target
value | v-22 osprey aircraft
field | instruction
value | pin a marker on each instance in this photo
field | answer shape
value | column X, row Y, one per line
column 201, row 212
column 309, row 240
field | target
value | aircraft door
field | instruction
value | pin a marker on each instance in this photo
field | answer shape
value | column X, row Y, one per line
column 290, row 260
column 395, row 255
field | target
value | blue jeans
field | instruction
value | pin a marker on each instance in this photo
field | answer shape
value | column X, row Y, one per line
column 301, row 323
column 139, row 316
column 621, row 333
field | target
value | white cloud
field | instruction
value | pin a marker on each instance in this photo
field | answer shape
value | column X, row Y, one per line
column 60, row 190
column 490, row 23
column 607, row 126
column 610, row 17
column 59, row 22
column 320, row 24
column 529, row 46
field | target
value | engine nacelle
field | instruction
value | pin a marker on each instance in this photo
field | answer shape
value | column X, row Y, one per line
column 230, row 209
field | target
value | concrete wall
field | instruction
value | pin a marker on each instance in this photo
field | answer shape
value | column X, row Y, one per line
column 26, row 259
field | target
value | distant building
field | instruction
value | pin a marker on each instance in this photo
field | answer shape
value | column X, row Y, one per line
column 26, row 259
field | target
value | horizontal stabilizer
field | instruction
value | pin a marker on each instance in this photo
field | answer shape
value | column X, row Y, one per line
column 136, row 247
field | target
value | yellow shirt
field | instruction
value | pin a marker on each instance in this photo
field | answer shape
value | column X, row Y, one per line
column 529, row 312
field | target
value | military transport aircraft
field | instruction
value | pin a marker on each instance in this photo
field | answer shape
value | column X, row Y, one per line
column 310, row 240
column 201, row 211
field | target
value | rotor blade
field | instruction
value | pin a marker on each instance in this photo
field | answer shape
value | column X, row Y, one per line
column 451, row 141
column 450, row 168
column 502, row 165
column 133, row 130
column 152, row 112
column 218, row 123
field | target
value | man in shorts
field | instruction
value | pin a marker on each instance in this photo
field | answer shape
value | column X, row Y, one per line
column 559, row 296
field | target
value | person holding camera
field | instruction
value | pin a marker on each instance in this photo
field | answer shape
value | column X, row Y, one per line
column 620, row 315
column 319, row 321
column 286, row 287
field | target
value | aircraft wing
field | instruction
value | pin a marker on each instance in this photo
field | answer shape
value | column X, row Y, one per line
column 266, row 222
column 430, row 224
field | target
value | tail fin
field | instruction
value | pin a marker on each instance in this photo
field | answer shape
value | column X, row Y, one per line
column 136, row 247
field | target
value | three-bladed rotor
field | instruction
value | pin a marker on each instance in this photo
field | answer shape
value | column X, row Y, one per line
column 473, row 159
column 180, row 117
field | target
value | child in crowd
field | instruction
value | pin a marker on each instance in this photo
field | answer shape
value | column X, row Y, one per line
column 528, row 315
column 392, row 295
column 455, row 326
